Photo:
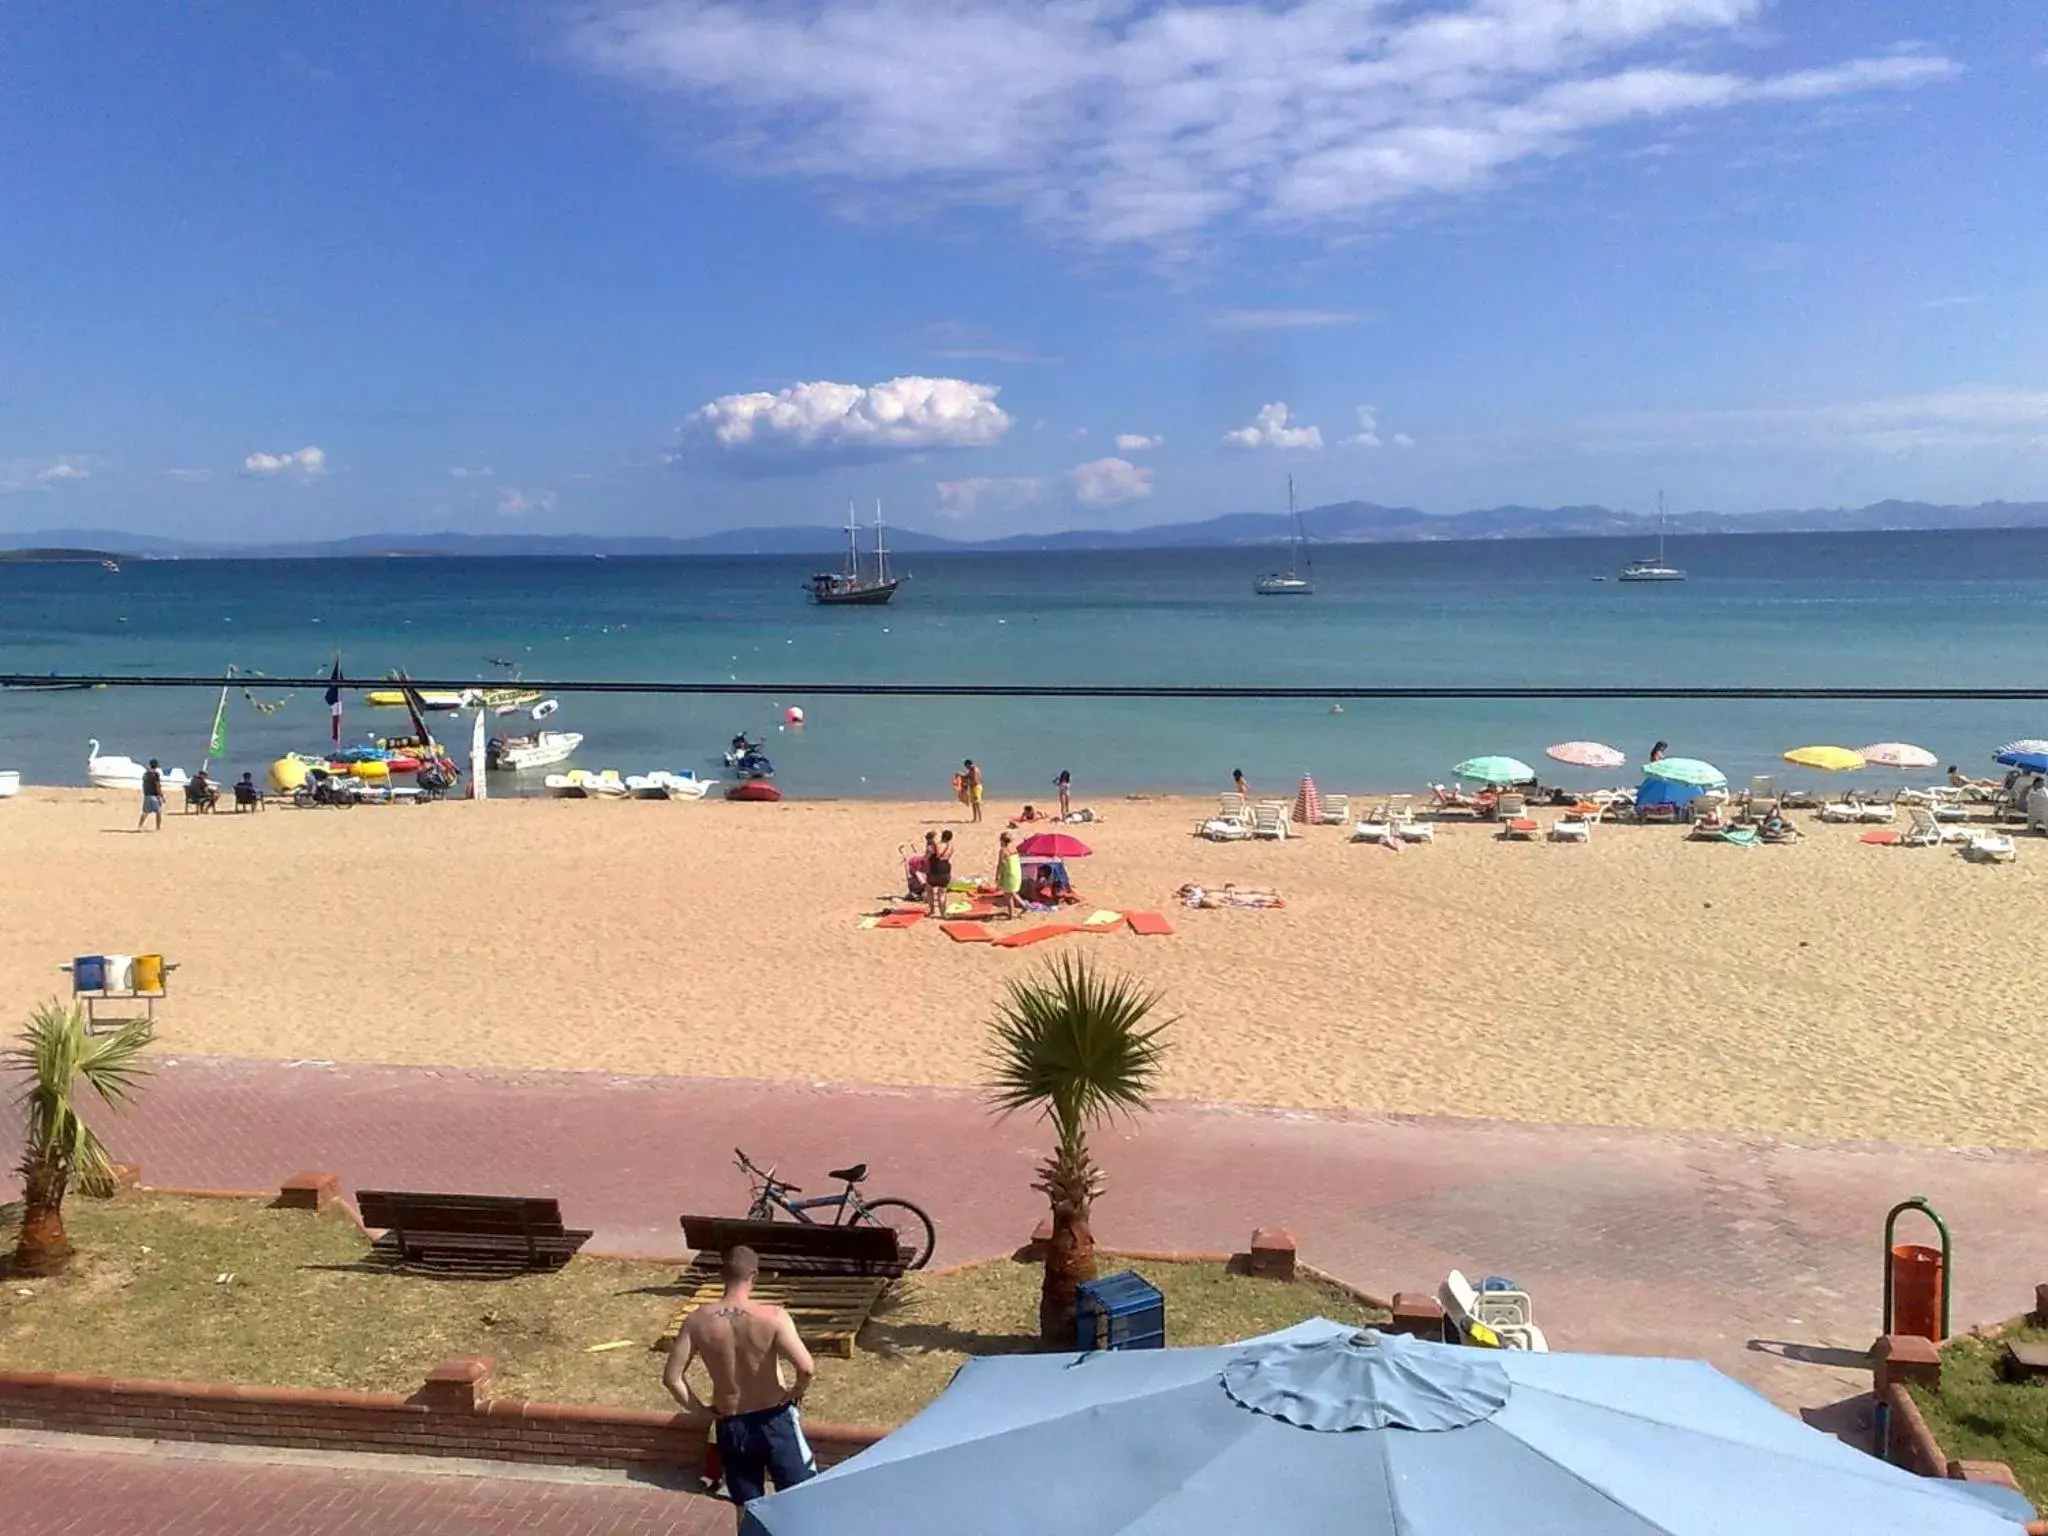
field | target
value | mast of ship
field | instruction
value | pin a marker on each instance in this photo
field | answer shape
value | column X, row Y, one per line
column 881, row 552
column 1662, row 521
column 1300, row 560
column 852, row 542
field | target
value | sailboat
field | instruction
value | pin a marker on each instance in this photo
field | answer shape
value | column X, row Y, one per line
column 849, row 586
column 1653, row 569
column 1298, row 580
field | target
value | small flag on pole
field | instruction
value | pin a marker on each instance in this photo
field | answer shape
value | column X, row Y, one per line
column 218, row 745
column 334, row 698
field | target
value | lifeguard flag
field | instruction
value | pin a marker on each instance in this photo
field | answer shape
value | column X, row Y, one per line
column 334, row 699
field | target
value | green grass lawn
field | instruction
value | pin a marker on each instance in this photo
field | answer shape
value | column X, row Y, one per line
column 1979, row 1416
column 144, row 1298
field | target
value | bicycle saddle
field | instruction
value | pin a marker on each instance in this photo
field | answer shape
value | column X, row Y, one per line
column 851, row 1175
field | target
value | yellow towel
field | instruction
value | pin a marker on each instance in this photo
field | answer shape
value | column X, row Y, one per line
column 869, row 922
column 1103, row 919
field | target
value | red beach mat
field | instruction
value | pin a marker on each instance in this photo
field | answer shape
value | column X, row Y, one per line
column 900, row 920
column 1033, row 935
column 1150, row 924
column 966, row 933
column 1885, row 838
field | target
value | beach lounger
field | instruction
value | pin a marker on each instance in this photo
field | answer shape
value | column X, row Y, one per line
column 1223, row 830
column 1491, row 1319
column 1991, row 848
column 1571, row 828
column 1336, row 810
column 1269, row 819
column 1520, row 828
column 1400, row 808
column 1447, row 801
column 1373, row 826
column 1841, row 810
column 1923, row 830
column 1231, row 806
column 1412, row 831
column 1708, row 823
column 1763, row 790
column 1507, row 807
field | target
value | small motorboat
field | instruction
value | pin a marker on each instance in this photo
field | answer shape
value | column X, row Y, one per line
column 543, row 749
column 663, row 785
column 573, row 785
column 753, row 789
column 125, row 772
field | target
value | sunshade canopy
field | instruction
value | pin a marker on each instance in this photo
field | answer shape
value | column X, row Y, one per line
column 1896, row 754
column 2026, row 762
column 1686, row 770
column 1052, row 845
column 1323, row 1429
column 1495, row 770
column 1587, row 754
column 1832, row 759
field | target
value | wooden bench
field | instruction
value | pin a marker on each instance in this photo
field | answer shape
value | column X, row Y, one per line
column 474, row 1234
column 796, row 1248
column 829, row 1279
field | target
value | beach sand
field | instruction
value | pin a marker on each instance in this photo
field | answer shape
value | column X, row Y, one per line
column 1827, row 989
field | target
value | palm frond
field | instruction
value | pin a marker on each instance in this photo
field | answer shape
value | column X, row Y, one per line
column 57, row 1052
column 1075, row 1044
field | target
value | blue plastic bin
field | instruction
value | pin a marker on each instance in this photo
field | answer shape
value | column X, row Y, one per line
column 1122, row 1311
column 89, row 973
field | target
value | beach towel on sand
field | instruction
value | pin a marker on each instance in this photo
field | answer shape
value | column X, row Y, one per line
column 1150, row 924
column 899, row 920
column 966, row 933
column 1033, row 935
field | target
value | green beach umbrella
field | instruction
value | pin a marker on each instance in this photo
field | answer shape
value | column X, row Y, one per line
column 1686, row 770
column 1495, row 770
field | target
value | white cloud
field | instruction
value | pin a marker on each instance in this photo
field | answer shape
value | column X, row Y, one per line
column 992, row 494
column 42, row 474
column 1402, row 440
column 1109, row 482
column 189, row 476
column 810, row 423
column 1272, row 429
column 1115, row 121
column 1282, row 319
column 512, row 503
column 308, row 463
column 1137, row 442
column 1368, row 433
column 458, row 473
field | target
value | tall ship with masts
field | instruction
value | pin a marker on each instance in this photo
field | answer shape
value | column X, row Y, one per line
column 1298, row 580
column 852, row 585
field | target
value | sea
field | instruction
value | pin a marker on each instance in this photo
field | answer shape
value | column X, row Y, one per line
column 1952, row 609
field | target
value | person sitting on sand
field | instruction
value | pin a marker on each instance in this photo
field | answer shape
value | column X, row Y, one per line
column 202, row 792
column 1009, row 877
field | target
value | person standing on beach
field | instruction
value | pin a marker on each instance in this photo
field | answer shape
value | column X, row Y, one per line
column 1065, row 785
column 1237, row 782
column 152, row 795
column 742, row 1343
column 1657, row 752
column 971, row 788
column 1009, row 877
column 938, row 873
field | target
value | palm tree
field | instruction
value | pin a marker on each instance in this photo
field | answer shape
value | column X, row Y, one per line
column 58, row 1049
column 1074, row 1045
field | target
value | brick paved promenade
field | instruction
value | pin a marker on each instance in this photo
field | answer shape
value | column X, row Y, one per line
column 1760, row 1256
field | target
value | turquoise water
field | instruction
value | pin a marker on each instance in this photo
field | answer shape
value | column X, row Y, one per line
column 1894, row 610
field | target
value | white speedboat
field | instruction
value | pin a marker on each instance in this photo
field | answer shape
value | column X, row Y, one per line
column 663, row 785
column 125, row 772
column 543, row 749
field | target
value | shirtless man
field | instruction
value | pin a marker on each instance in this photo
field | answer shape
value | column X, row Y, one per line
column 740, row 1341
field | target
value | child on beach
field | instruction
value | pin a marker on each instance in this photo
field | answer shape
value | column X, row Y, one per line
column 1237, row 782
column 1065, row 784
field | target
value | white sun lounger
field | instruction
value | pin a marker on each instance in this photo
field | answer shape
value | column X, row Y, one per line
column 1923, row 830
column 1991, row 848
column 1572, row 828
column 1269, row 819
column 1509, row 1315
column 1336, row 810
column 1373, row 826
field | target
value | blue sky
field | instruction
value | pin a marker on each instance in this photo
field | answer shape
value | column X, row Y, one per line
column 324, row 268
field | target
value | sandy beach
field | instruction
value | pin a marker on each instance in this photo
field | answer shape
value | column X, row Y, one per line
column 1827, row 989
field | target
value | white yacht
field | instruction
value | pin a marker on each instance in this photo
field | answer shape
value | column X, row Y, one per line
column 1298, row 580
column 1657, row 568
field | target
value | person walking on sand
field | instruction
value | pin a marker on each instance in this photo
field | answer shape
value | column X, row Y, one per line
column 1237, row 782
column 938, row 873
column 152, row 795
column 1009, row 877
column 970, row 777
column 743, row 1343
column 1065, row 785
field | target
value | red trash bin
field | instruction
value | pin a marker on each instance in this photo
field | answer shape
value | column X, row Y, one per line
column 1916, row 1291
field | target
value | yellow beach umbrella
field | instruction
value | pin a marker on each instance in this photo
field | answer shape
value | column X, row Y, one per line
column 1832, row 759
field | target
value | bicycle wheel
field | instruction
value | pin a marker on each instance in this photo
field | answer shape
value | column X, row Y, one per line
column 915, row 1234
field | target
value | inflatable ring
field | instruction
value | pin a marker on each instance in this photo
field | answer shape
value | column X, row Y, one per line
column 545, row 708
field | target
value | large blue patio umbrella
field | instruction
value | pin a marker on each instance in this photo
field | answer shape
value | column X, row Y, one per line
column 1321, row 1429
column 2026, row 762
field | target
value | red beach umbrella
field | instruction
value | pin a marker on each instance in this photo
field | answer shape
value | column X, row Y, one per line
column 1308, row 803
column 1052, row 845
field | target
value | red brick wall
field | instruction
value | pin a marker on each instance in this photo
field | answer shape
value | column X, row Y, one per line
column 507, row 1430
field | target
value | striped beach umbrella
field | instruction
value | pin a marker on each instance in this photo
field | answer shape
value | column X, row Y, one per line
column 1896, row 754
column 2025, row 744
column 1587, row 754
column 1308, row 803
column 1829, row 759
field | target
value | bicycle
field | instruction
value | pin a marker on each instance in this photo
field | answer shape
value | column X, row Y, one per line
column 915, row 1234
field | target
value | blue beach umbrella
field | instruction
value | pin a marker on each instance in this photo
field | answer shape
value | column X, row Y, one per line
column 1495, row 770
column 1323, row 1429
column 2026, row 762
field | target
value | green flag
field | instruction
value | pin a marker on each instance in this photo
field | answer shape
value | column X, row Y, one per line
column 218, row 747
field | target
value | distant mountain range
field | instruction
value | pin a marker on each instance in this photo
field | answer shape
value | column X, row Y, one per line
column 1344, row 522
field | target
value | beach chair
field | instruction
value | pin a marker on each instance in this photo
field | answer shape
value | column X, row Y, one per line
column 1990, row 848
column 1923, row 831
column 1572, row 827
column 1222, row 829
column 1373, row 826
column 1269, row 819
column 1445, row 801
column 1763, row 791
column 248, row 797
column 1708, row 821
column 1511, row 805
column 1336, row 810
column 1498, row 1317
column 1231, row 806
